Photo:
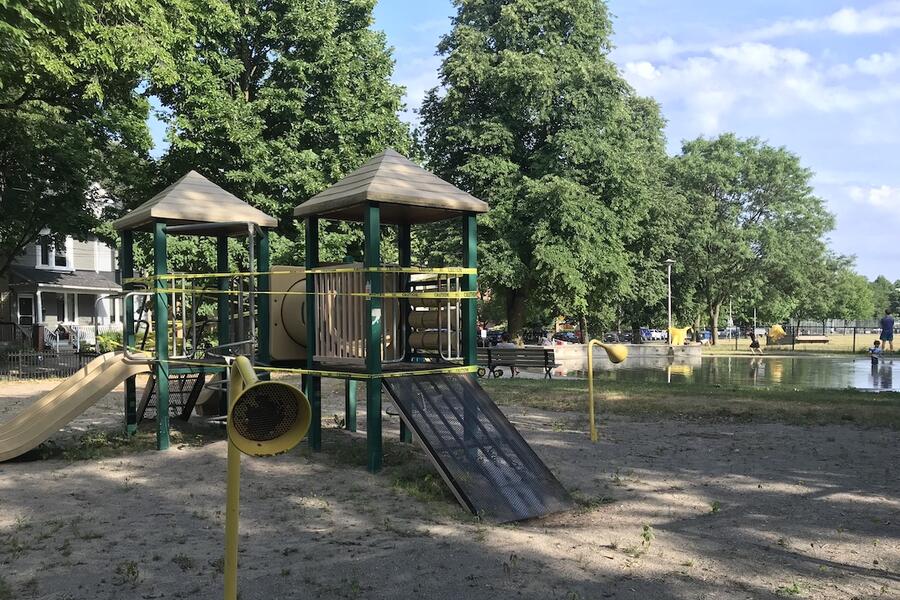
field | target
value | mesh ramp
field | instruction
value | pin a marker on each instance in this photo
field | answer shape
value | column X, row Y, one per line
column 489, row 466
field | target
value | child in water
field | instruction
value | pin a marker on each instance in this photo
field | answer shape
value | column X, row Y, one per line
column 875, row 352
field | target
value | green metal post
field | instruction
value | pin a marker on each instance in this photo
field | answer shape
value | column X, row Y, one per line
column 127, row 266
column 262, row 304
column 313, row 382
column 350, row 388
column 350, row 404
column 224, row 305
column 372, row 230
column 404, row 251
column 161, row 330
column 469, row 284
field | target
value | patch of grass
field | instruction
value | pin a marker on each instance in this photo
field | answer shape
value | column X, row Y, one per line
column 703, row 402
column 128, row 573
column 218, row 565
column 714, row 507
column 587, row 503
column 790, row 590
column 6, row 592
column 420, row 481
column 184, row 562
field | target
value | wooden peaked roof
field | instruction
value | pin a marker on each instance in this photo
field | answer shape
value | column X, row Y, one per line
column 194, row 199
column 406, row 192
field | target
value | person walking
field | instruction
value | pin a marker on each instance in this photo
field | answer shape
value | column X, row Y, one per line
column 887, row 331
column 754, row 343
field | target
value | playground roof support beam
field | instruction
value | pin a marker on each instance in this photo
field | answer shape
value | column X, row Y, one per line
column 262, row 307
column 128, row 339
column 372, row 258
column 313, row 382
column 469, row 284
column 161, row 330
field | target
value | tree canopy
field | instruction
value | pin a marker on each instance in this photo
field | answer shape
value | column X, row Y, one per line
column 533, row 117
column 756, row 227
column 276, row 101
column 73, row 123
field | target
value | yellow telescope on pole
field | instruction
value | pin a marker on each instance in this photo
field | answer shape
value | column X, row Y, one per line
column 265, row 418
column 616, row 353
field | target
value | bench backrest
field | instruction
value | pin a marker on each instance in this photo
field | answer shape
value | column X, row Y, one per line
column 518, row 356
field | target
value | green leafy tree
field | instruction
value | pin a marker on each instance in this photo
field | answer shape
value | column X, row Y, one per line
column 756, row 226
column 832, row 290
column 884, row 296
column 277, row 100
column 533, row 117
column 72, row 121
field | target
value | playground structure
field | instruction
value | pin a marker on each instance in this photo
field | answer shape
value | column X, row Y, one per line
column 408, row 329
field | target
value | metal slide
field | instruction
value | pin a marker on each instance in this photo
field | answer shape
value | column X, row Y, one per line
column 489, row 466
column 36, row 423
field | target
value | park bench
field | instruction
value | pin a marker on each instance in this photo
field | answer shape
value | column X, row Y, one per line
column 491, row 359
column 812, row 339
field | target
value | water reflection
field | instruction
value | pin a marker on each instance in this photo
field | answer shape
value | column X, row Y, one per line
column 801, row 371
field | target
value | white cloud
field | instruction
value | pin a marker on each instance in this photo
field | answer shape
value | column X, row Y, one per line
column 761, row 58
column 760, row 80
column 663, row 49
column 883, row 197
column 878, row 65
column 875, row 19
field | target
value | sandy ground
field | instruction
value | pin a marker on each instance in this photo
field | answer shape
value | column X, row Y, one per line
column 669, row 510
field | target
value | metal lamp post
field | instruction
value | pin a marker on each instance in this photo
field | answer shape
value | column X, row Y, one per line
column 669, row 262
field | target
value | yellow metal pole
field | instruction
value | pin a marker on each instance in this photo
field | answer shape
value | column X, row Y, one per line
column 616, row 353
column 241, row 376
column 590, row 377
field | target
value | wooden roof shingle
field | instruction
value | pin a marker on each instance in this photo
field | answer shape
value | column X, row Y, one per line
column 194, row 199
column 406, row 192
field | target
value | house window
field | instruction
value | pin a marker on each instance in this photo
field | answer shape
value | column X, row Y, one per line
column 51, row 255
column 46, row 246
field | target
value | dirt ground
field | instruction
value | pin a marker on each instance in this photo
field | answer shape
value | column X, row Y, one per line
column 667, row 509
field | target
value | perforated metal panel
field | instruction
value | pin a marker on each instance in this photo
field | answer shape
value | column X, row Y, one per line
column 264, row 412
column 491, row 468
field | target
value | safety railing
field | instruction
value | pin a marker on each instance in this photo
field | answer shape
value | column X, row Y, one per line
column 341, row 311
column 435, row 321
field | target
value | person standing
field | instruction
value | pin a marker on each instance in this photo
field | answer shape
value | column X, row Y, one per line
column 887, row 331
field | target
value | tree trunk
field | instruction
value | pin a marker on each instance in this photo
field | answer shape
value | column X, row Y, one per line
column 714, row 323
column 585, row 336
column 698, row 329
column 515, row 312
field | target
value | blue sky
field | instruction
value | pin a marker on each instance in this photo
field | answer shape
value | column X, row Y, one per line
column 820, row 77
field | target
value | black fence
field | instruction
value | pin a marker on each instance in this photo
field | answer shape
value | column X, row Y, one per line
column 41, row 365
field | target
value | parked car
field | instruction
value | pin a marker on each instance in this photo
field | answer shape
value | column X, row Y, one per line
column 570, row 337
column 494, row 336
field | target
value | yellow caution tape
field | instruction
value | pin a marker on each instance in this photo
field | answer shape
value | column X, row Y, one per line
column 428, row 295
column 341, row 374
column 316, row 271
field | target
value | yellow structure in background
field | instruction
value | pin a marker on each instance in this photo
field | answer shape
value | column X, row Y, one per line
column 617, row 353
column 677, row 335
column 776, row 332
